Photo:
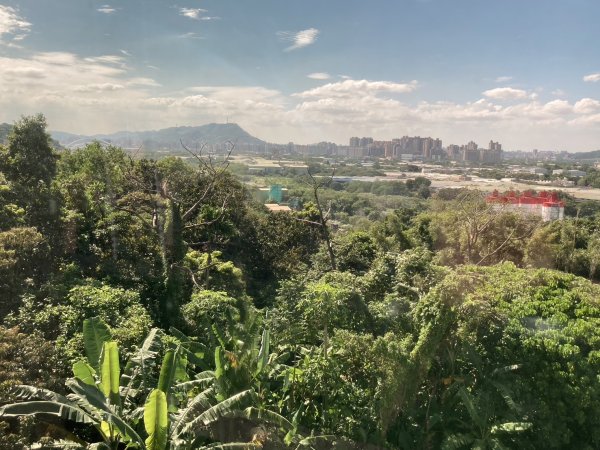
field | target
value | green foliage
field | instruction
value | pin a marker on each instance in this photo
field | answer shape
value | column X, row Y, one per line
column 401, row 347
column 24, row 255
column 355, row 252
column 26, row 359
column 61, row 319
column 211, row 272
column 545, row 322
column 29, row 165
column 468, row 230
column 28, row 158
column 208, row 307
column 571, row 245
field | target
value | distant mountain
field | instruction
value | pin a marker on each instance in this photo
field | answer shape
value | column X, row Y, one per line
column 168, row 138
column 5, row 129
column 587, row 155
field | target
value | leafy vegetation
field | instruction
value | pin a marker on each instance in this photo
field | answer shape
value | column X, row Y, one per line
column 373, row 315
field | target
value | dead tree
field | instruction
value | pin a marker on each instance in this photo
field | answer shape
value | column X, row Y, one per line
column 478, row 220
column 170, row 218
column 323, row 218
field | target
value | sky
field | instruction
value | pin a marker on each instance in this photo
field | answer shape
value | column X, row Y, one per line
column 525, row 73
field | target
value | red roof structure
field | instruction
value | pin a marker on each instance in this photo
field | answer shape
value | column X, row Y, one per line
column 527, row 198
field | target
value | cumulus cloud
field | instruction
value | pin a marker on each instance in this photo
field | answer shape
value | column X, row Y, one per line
column 592, row 78
column 587, row 106
column 319, row 76
column 506, row 93
column 192, row 13
column 299, row 39
column 350, row 88
column 51, row 80
column 95, row 94
column 504, row 79
column 558, row 107
column 12, row 25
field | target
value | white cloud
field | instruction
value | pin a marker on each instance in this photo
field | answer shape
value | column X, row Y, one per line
column 504, row 79
column 106, row 9
column 351, row 88
column 319, row 76
column 59, row 81
column 99, row 87
column 587, row 106
column 592, row 78
column 190, row 35
column 25, row 72
column 299, row 39
column 559, row 93
column 506, row 93
column 117, row 60
column 558, row 107
column 96, row 94
column 192, row 13
column 12, row 25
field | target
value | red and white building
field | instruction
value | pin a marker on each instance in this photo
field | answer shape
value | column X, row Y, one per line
column 545, row 204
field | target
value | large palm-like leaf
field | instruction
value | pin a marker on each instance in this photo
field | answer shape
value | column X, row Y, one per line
column 156, row 420
column 196, row 406
column 218, row 411
column 110, row 372
column 90, row 399
column 138, row 372
column 268, row 416
column 231, row 446
column 24, row 392
column 95, row 334
column 62, row 410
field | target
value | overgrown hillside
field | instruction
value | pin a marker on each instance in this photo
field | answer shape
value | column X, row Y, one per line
column 160, row 305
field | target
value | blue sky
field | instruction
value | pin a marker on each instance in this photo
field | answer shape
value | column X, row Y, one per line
column 526, row 73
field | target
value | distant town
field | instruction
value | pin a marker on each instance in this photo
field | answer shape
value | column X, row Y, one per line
column 408, row 149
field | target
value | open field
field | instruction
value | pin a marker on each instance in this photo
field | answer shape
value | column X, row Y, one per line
column 441, row 181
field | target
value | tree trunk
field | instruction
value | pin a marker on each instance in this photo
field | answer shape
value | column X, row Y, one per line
column 173, row 254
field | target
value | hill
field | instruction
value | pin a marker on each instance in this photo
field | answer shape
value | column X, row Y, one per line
column 587, row 155
column 5, row 129
column 170, row 138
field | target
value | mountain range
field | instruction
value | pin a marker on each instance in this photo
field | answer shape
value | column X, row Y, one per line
column 167, row 138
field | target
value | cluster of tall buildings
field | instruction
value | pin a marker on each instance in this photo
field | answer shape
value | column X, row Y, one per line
column 416, row 147
column 472, row 152
column 406, row 148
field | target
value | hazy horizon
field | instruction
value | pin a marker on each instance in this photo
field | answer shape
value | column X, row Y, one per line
column 526, row 74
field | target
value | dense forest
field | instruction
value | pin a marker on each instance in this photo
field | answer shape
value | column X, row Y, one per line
column 153, row 304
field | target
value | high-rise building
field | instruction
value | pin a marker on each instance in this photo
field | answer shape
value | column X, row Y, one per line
column 495, row 146
column 365, row 141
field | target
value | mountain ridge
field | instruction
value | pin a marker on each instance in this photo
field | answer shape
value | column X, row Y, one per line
column 168, row 138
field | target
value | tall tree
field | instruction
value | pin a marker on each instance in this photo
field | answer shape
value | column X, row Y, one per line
column 29, row 165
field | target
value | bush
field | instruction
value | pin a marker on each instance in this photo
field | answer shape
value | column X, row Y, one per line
column 62, row 319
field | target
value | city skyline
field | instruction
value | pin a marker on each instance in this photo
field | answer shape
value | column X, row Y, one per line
column 524, row 74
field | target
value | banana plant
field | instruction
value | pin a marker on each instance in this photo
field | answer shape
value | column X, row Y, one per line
column 104, row 398
column 241, row 374
column 95, row 397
